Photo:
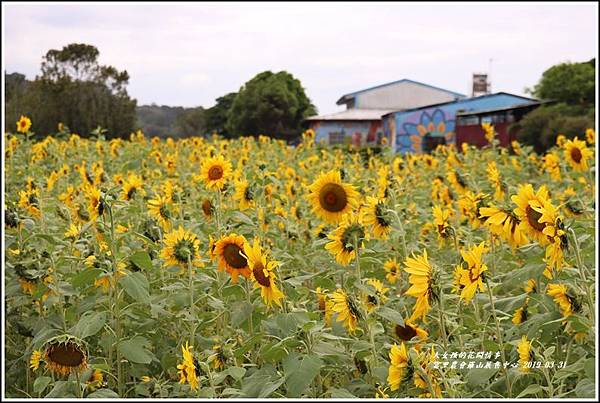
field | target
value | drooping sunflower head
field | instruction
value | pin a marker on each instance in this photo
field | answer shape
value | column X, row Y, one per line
column 400, row 369
column 180, row 247
column 229, row 251
column 331, row 198
column 346, row 238
column 65, row 355
column 132, row 185
column 215, row 171
column 377, row 215
column 160, row 209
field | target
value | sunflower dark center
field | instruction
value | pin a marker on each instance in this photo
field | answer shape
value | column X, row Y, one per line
column 353, row 234
column 131, row 192
column 259, row 275
column 183, row 250
column 333, row 198
column 381, row 216
column 215, row 173
column 68, row 355
column 576, row 154
column 248, row 194
column 405, row 332
column 533, row 217
column 372, row 299
column 232, row 256
column 207, row 207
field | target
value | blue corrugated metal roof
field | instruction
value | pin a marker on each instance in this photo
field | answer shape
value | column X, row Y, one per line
column 475, row 100
column 352, row 94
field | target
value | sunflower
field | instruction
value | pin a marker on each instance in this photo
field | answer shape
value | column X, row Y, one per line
column 36, row 358
column 218, row 358
column 207, row 208
column 346, row 308
column 28, row 199
column 421, row 284
column 160, row 209
column 96, row 205
column 496, row 180
column 132, row 186
column 488, row 131
column 187, row 369
column 215, row 171
column 527, row 202
column 331, row 198
column 345, row 239
column 229, row 255
column 73, row 231
column 180, row 248
column 590, row 135
column 505, row 224
column 577, row 154
column 566, row 302
column 65, row 355
column 457, row 181
column 426, row 359
column 373, row 300
column 525, row 353
column 262, row 273
column 530, row 286
column 469, row 204
column 23, row 124
column 472, row 277
column 400, row 368
column 410, row 330
column 95, row 381
column 392, row 269
column 552, row 165
column 556, row 236
column 441, row 217
column 521, row 314
column 378, row 217
column 243, row 194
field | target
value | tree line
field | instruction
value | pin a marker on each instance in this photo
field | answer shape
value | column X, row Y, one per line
column 75, row 90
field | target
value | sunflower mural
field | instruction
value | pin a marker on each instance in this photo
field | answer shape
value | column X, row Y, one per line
column 421, row 124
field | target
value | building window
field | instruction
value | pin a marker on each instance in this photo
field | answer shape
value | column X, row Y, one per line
column 430, row 142
column 336, row 138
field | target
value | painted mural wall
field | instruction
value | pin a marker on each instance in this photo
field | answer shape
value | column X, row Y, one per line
column 407, row 130
column 347, row 132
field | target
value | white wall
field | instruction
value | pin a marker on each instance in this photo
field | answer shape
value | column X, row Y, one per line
column 404, row 95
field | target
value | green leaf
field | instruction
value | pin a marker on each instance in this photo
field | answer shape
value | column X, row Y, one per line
column 240, row 312
column 136, row 286
column 60, row 389
column 391, row 315
column 300, row 372
column 531, row 390
column 103, row 394
column 41, row 383
column 134, row 351
column 85, row 278
column 237, row 373
column 89, row 324
column 585, row 388
column 590, row 368
column 142, row 260
column 477, row 376
column 340, row 393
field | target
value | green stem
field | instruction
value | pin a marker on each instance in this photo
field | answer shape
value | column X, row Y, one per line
column 499, row 334
column 582, row 269
column 441, row 319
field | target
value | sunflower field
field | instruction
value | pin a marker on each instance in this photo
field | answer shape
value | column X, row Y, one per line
column 204, row 267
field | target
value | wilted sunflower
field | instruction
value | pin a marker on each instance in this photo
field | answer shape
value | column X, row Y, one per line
column 567, row 303
column 262, row 273
column 23, row 124
column 65, row 355
column 421, row 281
column 392, row 269
column 528, row 202
column 378, row 217
column 131, row 186
column 180, row 247
column 243, row 194
column 373, row 300
column 187, row 369
column 331, row 198
column 229, row 255
column 345, row 239
column 400, row 368
column 160, row 209
column 577, row 154
column 410, row 330
column 525, row 353
column 215, row 171
column 346, row 308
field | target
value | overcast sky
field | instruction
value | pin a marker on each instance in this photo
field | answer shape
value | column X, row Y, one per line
column 190, row 54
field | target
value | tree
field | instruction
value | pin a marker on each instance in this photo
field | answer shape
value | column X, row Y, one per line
column 273, row 104
column 76, row 90
column 216, row 117
column 192, row 122
column 571, row 87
